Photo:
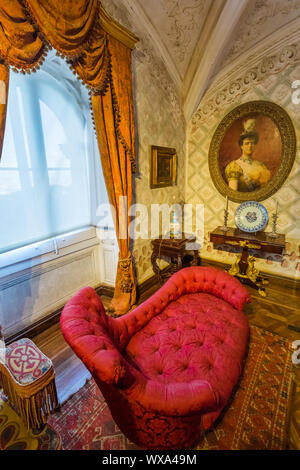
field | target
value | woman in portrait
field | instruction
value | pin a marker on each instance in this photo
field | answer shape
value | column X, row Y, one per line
column 245, row 173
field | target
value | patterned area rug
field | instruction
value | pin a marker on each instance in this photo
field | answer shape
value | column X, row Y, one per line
column 256, row 418
column 15, row 436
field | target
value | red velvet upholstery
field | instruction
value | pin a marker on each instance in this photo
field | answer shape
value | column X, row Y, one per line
column 167, row 368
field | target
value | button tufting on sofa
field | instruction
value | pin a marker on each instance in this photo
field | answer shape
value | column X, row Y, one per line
column 161, row 379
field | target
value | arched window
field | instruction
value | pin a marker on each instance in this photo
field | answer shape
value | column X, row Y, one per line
column 47, row 169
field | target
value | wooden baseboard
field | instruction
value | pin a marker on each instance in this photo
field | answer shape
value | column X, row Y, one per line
column 276, row 279
column 52, row 318
column 288, row 282
column 49, row 320
column 149, row 283
column 107, row 291
column 142, row 289
column 35, row 328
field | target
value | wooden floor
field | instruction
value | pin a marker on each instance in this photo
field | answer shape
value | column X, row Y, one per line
column 279, row 312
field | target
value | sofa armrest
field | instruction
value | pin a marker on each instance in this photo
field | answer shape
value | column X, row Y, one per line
column 104, row 362
column 93, row 336
column 99, row 355
column 175, row 399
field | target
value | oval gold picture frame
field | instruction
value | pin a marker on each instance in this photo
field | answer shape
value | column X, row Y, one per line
column 288, row 149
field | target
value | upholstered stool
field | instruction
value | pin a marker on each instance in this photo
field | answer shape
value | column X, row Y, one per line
column 28, row 380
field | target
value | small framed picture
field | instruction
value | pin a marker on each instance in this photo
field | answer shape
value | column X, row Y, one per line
column 162, row 166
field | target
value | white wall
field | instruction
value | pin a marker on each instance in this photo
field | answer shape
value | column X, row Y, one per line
column 32, row 289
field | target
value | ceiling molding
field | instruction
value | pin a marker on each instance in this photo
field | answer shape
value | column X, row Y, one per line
column 228, row 19
column 273, row 43
column 269, row 57
column 116, row 30
column 143, row 20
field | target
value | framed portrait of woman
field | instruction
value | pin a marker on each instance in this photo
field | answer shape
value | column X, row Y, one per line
column 252, row 151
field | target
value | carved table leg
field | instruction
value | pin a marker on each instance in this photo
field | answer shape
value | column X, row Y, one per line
column 179, row 262
column 243, row 263
column 194, row 261
column 175, row 263
column 244, row 269
column 155, row 266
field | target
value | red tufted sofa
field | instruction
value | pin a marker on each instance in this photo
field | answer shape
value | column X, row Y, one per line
column 167, row 368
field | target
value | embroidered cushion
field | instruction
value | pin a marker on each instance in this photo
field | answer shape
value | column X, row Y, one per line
column 28, row 380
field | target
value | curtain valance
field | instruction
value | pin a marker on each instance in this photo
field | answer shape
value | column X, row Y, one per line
column 73, row 28
column 20, row 44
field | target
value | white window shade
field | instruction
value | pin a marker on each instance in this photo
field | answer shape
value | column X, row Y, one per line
column 44, row 172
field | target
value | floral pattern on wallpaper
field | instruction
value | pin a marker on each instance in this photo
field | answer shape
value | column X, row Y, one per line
column 142, row 256
column 159, row 121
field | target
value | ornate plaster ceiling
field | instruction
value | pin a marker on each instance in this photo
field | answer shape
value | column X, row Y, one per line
column 198, row 39
column 190, row 36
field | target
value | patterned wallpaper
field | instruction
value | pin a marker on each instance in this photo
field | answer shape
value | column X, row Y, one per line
column 159, row 121
column 200, row 188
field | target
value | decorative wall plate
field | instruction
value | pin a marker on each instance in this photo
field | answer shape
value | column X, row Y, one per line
column 251, row 216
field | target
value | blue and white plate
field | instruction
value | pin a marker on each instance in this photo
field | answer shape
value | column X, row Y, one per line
column 251, row 216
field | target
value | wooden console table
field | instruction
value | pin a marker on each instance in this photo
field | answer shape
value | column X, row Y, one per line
column 175, row 249
column 243, row 267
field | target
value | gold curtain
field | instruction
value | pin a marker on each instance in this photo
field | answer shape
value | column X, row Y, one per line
column 103, row 63
column 113, row 116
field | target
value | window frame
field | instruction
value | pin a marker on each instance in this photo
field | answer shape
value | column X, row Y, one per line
column 46, row 250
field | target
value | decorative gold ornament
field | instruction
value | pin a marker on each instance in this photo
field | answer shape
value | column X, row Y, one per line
column 126, row 283
column 251, row 272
